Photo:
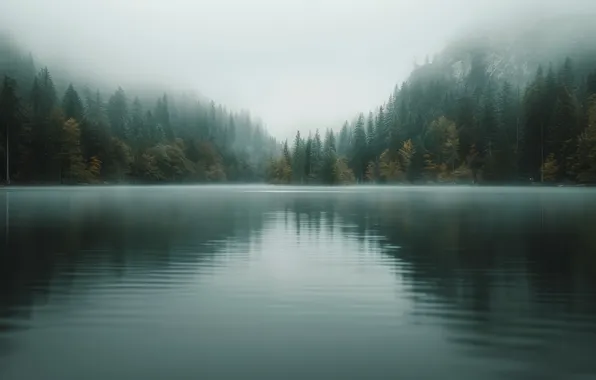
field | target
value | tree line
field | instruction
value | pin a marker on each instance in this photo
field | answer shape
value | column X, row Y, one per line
column 81, row 137
column 437, row 127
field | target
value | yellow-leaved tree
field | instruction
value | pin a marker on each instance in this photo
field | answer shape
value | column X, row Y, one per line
column 342, row 173
column 279, row 171
column 371, row 172
column 405, row 154
column 442, row 147
column 550, row 168
column 72, row 165
column 394, row 166
column 120, row 159
column 94, row 168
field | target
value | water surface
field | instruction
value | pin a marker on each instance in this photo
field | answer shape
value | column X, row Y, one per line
column 267, row 282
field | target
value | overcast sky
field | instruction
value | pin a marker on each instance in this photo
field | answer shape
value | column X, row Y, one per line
column 294, row 63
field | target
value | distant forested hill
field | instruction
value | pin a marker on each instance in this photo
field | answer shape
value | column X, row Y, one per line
column 56, row 131
column 516, row 104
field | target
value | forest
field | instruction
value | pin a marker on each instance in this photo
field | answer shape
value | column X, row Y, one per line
column 514, row 105
column 479, row 112
column 437, row 129
column 81, row 136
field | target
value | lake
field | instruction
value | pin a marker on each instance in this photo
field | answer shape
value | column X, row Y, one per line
column 266, row 282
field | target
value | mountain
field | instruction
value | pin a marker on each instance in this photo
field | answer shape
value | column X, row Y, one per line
column 498, row 105
column 59, row 128
column 513, row 52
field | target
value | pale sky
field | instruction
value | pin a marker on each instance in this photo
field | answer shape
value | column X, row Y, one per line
column 296, row 64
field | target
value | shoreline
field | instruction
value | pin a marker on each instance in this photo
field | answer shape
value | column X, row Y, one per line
column 162, row 184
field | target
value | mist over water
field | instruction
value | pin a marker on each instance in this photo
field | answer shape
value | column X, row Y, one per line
column 310, row 282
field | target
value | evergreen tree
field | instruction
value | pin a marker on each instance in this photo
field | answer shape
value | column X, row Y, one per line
column 10, row 124
column 467, row 122
column 43, row 95
column 316, row 156
column 591, row 84
column 94, row 131
column 343, row 143
column 117, row 112
column 47, row 123
column 502, row 162
column 487, row 133
column 564, row 129
column 359, row 149
column 508, row 119
column 329, row 158
column 72, row 104
column 329, row 144
column 286, row 153
column 162, row 117
column 380, row 130
column 72, row 165
column 370, row 133
column 138, row 130
column 583, row 167
column 533, row 144
column 231, row 131
column 308, row 159
column 567, row 75
column 298, row 159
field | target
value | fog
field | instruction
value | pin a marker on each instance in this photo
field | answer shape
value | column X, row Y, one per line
column 293, row 63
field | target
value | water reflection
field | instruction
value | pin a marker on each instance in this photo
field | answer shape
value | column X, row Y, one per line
column 488, row 282
column 59, row 239
column 510, row 275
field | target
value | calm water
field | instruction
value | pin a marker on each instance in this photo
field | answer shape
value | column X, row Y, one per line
column 304, row 283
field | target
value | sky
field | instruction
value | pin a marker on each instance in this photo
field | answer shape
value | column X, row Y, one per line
column 296, row 64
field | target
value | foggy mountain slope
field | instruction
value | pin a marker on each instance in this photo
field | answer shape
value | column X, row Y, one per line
column 143, row 132
column 21, row 64
column 15, row 62
column 480, row 110
column 513, row 51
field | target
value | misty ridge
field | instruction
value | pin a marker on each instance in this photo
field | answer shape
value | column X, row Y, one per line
column 501, row 107
column 63, row 132
column 511, row 103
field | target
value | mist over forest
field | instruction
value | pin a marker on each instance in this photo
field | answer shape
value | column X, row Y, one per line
column 512, row 102
column 502, row 107
column 57, row 131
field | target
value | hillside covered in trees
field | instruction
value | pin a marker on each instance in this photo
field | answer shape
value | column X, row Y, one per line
column 79, row 135
column 514, row 109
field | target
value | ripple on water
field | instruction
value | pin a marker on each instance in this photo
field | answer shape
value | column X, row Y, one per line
column 318, row 283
